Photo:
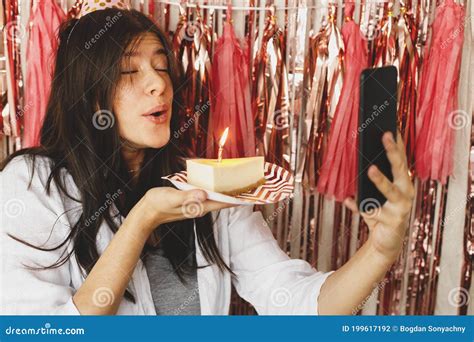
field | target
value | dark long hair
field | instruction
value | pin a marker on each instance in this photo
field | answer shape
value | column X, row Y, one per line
column 86, row 73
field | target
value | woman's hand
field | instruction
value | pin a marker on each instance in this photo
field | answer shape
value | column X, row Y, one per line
column 387, row 225
column 115, row 267
column 345, row 290
column 165, row 204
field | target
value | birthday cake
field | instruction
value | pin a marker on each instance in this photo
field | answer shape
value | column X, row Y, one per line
column 228, row 176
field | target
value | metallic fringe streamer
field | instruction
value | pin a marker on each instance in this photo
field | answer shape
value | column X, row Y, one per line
column 468, row 262
column 399, row 40
column 192, row 42
column 12, row 123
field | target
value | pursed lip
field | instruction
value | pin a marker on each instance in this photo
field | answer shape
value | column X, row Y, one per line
column 159, row 108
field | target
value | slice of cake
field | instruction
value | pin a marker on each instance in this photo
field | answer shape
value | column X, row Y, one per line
column 229, row 176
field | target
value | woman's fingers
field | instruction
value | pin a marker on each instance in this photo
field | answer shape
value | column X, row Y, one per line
column 399, row 202
column 397, row 156
column 401, row 146
column 351, row 204
column 213, row 206
column 167, row 204
column 399, row 193
column 176, row 198
column 383, row 184
column 193, row 207
column 371, row 216
column 377, row 215
column 407, row 185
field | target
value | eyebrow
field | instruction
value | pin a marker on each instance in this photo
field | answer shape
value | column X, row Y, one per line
column 158, row 51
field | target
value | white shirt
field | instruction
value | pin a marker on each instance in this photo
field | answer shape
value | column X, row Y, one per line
column 265, row 276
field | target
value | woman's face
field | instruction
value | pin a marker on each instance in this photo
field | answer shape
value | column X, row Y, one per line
column 144, row 96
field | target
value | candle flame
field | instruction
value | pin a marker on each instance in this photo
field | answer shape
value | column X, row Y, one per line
column 224, row 137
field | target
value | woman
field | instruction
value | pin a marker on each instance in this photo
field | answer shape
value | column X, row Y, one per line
column 98, row 232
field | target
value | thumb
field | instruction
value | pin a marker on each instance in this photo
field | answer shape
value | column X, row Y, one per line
column 177, row 197
column 196, row 195
column 192, row 204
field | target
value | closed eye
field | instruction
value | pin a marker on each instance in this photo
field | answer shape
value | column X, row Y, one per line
column 129, row 72
column 135, row 71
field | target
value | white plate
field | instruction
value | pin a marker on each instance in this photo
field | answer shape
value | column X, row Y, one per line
column 278, row 186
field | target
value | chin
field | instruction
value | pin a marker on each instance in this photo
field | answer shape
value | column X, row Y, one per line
column 158, row 142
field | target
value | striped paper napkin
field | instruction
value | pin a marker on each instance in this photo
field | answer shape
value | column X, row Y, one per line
column 278, row 186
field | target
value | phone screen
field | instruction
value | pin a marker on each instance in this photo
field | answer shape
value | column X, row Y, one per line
column 377, row 115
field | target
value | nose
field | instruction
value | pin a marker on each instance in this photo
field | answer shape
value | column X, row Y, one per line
column 156, row 83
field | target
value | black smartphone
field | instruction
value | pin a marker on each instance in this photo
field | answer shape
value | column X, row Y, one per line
column 377, row 115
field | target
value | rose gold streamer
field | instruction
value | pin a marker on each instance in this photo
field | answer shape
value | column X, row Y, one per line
column 407, row 92
column 323, row 76
column 436, row 255
column 385, row 43
column 468, row 262
column 373, row 29
column 202, row 97
column 390, row 295
column 192, row 44
column 419, row 273
column 231, row 99
column 416, row 32
column 167, row 17
column 278, row 122
column 338, row 171
column 250, row 35
column 1, row 118
column 324, row 67
column 11, row 126
column 261, row 88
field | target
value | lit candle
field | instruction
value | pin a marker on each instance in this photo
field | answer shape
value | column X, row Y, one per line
column 221, row 144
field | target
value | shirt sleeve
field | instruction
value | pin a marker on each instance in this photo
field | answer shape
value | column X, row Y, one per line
column 267, row 277
column 29, row 214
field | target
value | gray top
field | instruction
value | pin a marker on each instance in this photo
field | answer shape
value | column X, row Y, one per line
column 169, row 294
